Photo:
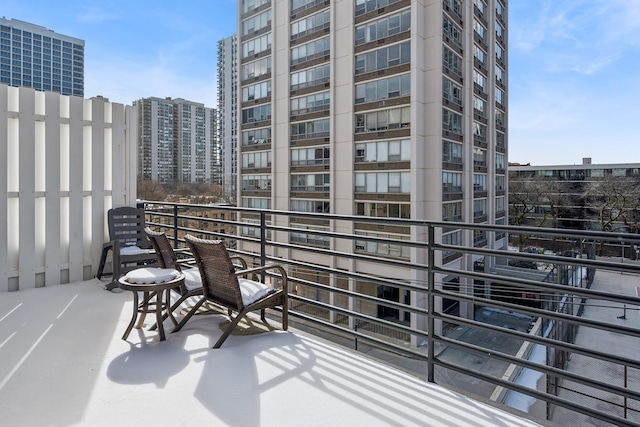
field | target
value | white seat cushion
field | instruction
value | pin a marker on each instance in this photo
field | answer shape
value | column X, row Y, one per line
column 192, row 278
column 253, row 291
column 151, row 275
column 134, row 250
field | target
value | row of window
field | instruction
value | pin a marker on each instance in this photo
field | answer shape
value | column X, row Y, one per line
column 311, row 24
column 310, row 182
column 383, row 89
column 384, row 27
column 308, row 51
column 374, row 121
column 310, row 103
column 256, row 22
column 256, row 46
column 383, row 151
column 383, row 182
column 386, row 57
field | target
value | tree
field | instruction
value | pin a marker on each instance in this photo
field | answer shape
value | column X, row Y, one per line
column 535, row 203
column 151, row 190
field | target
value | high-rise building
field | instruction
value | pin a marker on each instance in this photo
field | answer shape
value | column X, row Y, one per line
column 228, row 112
column 33, row 56
column 177, row 141
column 379, row 108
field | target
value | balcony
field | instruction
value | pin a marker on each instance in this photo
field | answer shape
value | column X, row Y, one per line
column 69, row 336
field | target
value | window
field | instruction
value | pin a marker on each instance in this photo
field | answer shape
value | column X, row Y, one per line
column 387, row 26
column 313, row 129
column 452, row 61
column 451, row 182
column 308, row 51
column 479, row 157
column 312, row 182
column 257, row 160
column 479, row 81
column 499, row 30
column 310, row 103
column 388, row 248
column 478, row 28
column 256, row 136
column 452, row 211
column 248, row 5
column 451, row 91
column 499, row 96
column 479, row 131
column 383, row 182
column 256, row 203
column 452, row 31
column 499, row 182
column 256, row 114
column 383, row 58
column 311, row 24
column 498, row 51
column 364, row 6
column 383, row 210
column 383, row 151
column 394, row 118
column 478, row 54
column 499, row 75
column 480, row 5
column 499, row 9
column 479, row 182
column 451, row 121
column 453, row 238
column 256, row 182
column 256, row 22
column 479, row 208
column 310, row 77
column 310, row 156
column 499, row 161
column 499, row 139
column 257, row 68
column 256, row 91
column 479, row 105
column 499, row 117
column 298, row 5
column 256, row 46
column 499, row 204
column 383, row 89
column 309, row 206
column 451, row 152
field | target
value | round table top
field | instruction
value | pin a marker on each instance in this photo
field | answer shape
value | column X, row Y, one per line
column 124, row 284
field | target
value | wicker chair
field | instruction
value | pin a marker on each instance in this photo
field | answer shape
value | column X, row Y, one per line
column 168, row 258
column 129, row 245
column 222, row 285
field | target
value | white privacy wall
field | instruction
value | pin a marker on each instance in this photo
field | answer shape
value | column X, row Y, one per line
column 64, row 161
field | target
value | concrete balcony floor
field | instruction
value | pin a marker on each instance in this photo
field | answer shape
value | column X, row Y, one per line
column 64, row 363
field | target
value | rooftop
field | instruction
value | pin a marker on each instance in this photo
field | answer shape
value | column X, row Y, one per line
column 64, row 363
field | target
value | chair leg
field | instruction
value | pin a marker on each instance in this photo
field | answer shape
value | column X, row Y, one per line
column 230, row 328
column 191, row 312
column 133, row 317
column 103, row 261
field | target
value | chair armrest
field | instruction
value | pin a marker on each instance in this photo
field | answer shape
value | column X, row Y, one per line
column 242, row 261
column 283, row 274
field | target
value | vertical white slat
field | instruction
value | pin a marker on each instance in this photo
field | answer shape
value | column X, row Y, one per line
column 4, row 261
column 76, row 226
column 99, row 160
column 26, row 186
column 118, row 158
column 53, row 123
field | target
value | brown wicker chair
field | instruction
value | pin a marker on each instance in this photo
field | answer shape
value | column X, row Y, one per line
column 129, row 245
column 168, row 258
column 223, row 287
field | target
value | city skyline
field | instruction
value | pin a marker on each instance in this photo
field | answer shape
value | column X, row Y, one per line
column 571, row 80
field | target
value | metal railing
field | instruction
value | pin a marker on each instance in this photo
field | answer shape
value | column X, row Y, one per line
column 480, row 319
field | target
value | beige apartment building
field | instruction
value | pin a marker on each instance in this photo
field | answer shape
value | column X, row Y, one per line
column 385, row 108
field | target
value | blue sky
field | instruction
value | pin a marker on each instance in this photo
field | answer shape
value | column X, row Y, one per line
column 574, row 65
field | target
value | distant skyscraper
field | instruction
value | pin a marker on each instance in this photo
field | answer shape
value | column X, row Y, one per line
column 33, row 56
column 177, row 141
column 228, row 112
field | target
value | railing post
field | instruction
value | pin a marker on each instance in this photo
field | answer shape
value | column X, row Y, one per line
column 430, row 304
column 175, row 226
column 263, row 243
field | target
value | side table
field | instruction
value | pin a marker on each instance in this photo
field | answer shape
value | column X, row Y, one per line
column 152, row 282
